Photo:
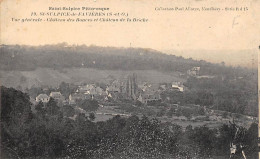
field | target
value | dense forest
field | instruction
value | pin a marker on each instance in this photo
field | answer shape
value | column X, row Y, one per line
column 16, row 57
column 236, row 96
column 48, row 133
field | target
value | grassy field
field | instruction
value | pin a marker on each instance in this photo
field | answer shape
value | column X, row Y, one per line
column 108, row 112
column 52, row 77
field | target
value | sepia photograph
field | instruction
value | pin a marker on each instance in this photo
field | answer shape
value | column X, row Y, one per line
column 129, row 79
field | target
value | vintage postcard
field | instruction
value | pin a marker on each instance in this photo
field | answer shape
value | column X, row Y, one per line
column 129, row 79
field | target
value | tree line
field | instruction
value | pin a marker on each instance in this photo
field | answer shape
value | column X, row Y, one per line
column 60, row 56
column 49, row 134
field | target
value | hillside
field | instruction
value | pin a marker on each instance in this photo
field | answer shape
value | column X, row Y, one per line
column 53, row 77
column 27, row 58
column 232, row 89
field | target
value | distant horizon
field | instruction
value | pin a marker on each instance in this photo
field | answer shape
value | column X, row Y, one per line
column 208, row 55
column 170, row 32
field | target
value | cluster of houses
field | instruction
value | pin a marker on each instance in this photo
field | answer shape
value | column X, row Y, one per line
column 117, row 89
column 55, row 95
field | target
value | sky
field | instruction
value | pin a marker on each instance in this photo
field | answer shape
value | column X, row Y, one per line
column 232, row 37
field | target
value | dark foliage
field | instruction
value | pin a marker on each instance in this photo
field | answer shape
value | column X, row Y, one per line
column 55, row 136
column 89, row 105
column 59, row 56
column 232, row 95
